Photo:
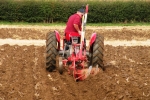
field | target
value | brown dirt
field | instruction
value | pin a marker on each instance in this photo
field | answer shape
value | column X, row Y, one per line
column 109, row 33
column 23, row 75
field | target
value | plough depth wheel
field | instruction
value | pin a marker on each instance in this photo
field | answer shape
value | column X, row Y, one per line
column 60, row 65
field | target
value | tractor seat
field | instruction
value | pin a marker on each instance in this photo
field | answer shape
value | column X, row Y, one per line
column 68, row 35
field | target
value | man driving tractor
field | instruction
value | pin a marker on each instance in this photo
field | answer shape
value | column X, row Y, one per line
column 74, row 25
column 74, row 22
column 73, row 57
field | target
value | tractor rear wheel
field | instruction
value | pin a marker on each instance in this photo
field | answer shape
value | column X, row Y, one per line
column 51, row 51
column 96, row 52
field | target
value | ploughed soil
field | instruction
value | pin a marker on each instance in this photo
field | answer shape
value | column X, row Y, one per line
column 23, row 75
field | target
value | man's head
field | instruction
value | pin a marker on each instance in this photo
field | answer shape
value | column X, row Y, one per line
column 81, row 11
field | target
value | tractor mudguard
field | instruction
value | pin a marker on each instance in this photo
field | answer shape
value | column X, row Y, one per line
column 92, row 39
column 57, row 38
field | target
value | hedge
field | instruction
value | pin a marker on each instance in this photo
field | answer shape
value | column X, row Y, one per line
column 59, row 11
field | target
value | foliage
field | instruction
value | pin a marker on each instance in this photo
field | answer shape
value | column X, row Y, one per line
column 58, row 11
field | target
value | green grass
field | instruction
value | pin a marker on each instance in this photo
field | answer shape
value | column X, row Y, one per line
column 119, row 24
column 64, row 24
column 34, row 24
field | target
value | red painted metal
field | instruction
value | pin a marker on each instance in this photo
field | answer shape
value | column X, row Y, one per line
column 86, row 9
column 57, row 35
column 92, row 39
column 57, row 38
column 74, row 58
column 70, row 34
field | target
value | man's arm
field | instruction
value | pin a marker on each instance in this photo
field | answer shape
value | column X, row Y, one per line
column 77, row 28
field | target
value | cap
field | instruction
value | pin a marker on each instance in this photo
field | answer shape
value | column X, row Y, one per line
column 81, row 10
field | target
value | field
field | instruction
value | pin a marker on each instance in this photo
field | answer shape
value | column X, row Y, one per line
column 23, row 75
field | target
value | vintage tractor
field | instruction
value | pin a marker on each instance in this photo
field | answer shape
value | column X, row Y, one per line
column 73, row 55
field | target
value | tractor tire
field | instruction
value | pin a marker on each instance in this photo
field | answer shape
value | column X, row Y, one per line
column 51, row 51
column 60, row 66
column 96, row 52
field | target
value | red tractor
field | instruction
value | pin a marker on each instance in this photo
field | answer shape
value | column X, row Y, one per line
column 73, row 56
